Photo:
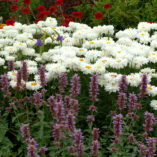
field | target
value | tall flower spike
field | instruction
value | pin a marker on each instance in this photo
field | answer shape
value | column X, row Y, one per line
column 70, row 122
column 5, row 84
column 37, row 98
column 149, row 121
column 143, row 88
column 24, row 71
column 94, row 87
column 121, row 101
column 60, row 112
column 11, row 65
column 123, row 83
column 95, row 148
column 132, row 102
column 52, row 102
column 19, row 78
column 25, row 130
column 142, row 149
column 151, row 146
column 42, row 76
column 95, row 134
column 62, row 82
column 117, row 124
column 75, row 86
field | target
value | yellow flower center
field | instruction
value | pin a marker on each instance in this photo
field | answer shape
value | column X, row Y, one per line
column 153, row 53
column 88, row 66
column 149, row 87
column 80, row 49
column 20, row 44
column 142, row 34
column 132, row 79
column 119, row 51
column 53, row 27
column 81, row 59
column 104, row 61
column 51, row 21
column 118, row 60
column 91, row 42
column 33, row 83
column 156, row 104
column 108, row 42
column 14, row 73
column 11, row 48
column 56, row 68
column 143, row 27
column 114, row 75
column 67, row 41
column 98, row 67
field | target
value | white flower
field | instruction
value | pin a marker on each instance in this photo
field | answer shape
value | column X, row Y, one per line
column 33, row 85
column 154, row 104
column 2, row 61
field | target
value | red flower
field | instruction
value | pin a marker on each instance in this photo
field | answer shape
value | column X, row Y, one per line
column 66, row 15
column 25, row 11
column 12, row 16
column 59, row 2
column 15, row 1
column 52, row 9
column 37, row 20
column 41, row 8
column 10, row 22
column 14, row 7
column 98, row 15
column 43, row 14
column 26, row 2
column 107, row 5
column 77, row 14
column 65, row 25
column 68, row 20
column 150, row 22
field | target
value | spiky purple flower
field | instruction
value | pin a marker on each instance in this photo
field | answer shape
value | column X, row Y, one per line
column 24, row 71
column 95, row 148
column 142, row 149
column 95, row 134
column 132, row 102
column 149, row 121
column 151, row 146
column 70, row 122
column 5, row 84
column 37, row 98
column 63, row 81
column 67, row 101
column 42, row 76
column 56, row 132
column 94, row 87
column 11, row 65
column 143, row 88
column 25, row 130
column 43, row 150
column 52, row 102
column 121, row 101
column 60, row 112
column 90, row 118
column 123, row 83
column 75, row 86
column 32, row 148
column 19, row 78
column 117, row 124
column 75, row 105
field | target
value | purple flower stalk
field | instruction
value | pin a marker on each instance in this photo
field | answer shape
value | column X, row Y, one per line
column 78, row 142
column 132, row 102
column 43, row 150
column 70, row 122
column 25, row 130
column 11, row 65
column 32, row 151
column 123, row 84
column 62, row 82
column 24, row 71
column 117, row 124
column 52, row 102
column 151, row 146
column 142, row 149
column 149, row 121
column 75, row 105
column 90, row 118
column 60, row 112
column 67, row 101
column 39, row 42
column 75, row 86
column 143, row 88
column 37, row 98
column 95, row 134
column 59, row 98
column 121, row 101
column 94, row 87
column 95, row 148
column 19, row 78
column 56, row 131
column 5, row 84
column 42, row 76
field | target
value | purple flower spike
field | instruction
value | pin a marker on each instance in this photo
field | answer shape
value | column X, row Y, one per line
column 11, row 65
column 117, row 124
column 151, row 146
column 63, row 80
column 43, row 150
column 95, row 148
column 132, row 102
column 149, row 121
column 5, row 84
column 121, row 101
column 75, row 86
column 94, row 87
column 25, row 130
column 24, row 71
column 42, row 77
column 143, row 88
column 39, row 42
column 123, row 83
